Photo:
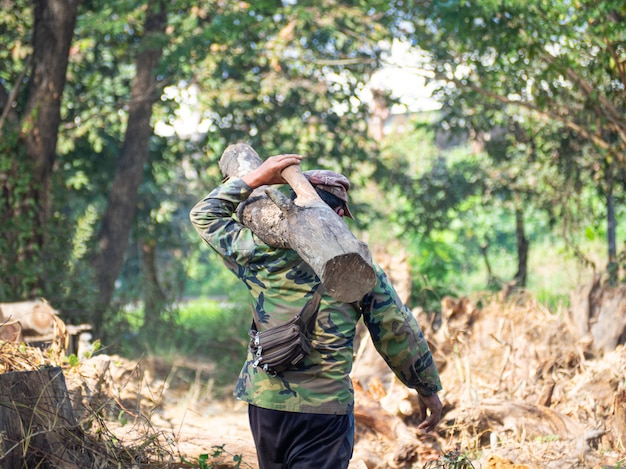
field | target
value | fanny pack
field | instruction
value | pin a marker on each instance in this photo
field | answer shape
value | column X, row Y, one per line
column 285, row 345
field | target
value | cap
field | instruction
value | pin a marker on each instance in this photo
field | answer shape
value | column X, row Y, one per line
column 334, row 183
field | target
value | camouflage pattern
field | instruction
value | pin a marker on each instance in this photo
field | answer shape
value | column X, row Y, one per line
column 279, row 283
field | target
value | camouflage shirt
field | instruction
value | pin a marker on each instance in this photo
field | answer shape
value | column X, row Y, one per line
column 279, row 283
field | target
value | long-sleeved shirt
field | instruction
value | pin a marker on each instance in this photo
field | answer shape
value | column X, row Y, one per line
column 280, row 283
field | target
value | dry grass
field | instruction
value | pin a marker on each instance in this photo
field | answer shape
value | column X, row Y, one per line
column 19, row 357
column 523, row 391
column 105, row 393
column 520, row 392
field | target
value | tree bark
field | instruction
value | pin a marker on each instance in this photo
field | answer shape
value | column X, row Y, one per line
column 259, row 212
column 118, row 219
column 612, row 267
column 34, row 153
column 35, row 410
column 307, row 225
column 53, row 32
column 607, row 321
column 522, row 250
column 153, row 296
column 583, row 301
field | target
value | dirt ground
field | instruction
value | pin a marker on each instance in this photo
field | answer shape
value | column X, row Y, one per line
column 520, row 391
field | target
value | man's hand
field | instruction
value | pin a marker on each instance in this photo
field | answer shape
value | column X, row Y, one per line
column 269, row 171
column 429, row 420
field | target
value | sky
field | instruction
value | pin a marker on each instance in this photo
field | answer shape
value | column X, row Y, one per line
column 405, row 75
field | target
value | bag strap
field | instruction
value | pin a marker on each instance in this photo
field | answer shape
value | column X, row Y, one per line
column 311, row 308
column 308, row 313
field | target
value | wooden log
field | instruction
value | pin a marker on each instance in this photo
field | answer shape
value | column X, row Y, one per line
column 369, row 413
column 619, row 419
column 582, row 305
column 11, row 331
column 598, row 313
column 35, row 414
column 608, row 325
column 306, row 225
column 524, row 418
column 38, row 319
column 259, row 212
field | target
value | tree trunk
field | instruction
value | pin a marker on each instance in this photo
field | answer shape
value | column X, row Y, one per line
column 612, row 267
column 118, row 219
column 307, row 225
column 484, row 251
column 153, row 296
column 34, row 153
column 35, row 412
column 53, row 32
column 608, row 319
column 522, row 250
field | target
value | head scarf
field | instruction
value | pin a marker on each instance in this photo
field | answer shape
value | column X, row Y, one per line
column 334, row 183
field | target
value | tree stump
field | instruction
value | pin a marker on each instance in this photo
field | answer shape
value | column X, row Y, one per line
column 598, row 312
column 307, row 225
column 35, row 412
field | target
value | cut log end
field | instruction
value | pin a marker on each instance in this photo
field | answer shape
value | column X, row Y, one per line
column 238, row 160
column 348, row 277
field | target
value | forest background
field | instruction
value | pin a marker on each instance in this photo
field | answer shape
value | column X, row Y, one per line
column 114, row 115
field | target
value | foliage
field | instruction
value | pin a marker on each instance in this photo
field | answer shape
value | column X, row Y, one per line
column 73, row 360
column 282, row 77
column 214, row 328
column 429, row 194
column 560, row 60
column 211, row 460
column 16, row 268
column 541, row 84
column 450, row 460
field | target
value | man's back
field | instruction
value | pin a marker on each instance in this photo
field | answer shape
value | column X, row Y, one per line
column 287, row 408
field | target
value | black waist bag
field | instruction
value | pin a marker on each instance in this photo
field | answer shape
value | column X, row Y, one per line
column 284, row 346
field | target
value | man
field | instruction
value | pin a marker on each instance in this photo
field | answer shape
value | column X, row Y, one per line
column 303, row 417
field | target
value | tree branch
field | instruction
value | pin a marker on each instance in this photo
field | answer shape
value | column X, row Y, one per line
column 548, row 116
column 148, row 96
column 13, row 94
column 607, row 108
column 345, row 61
column 618, row 63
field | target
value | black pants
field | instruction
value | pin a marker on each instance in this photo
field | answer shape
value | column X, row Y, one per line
column 290, row 440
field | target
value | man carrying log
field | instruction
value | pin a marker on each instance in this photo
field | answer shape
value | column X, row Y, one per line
column 301, row 415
